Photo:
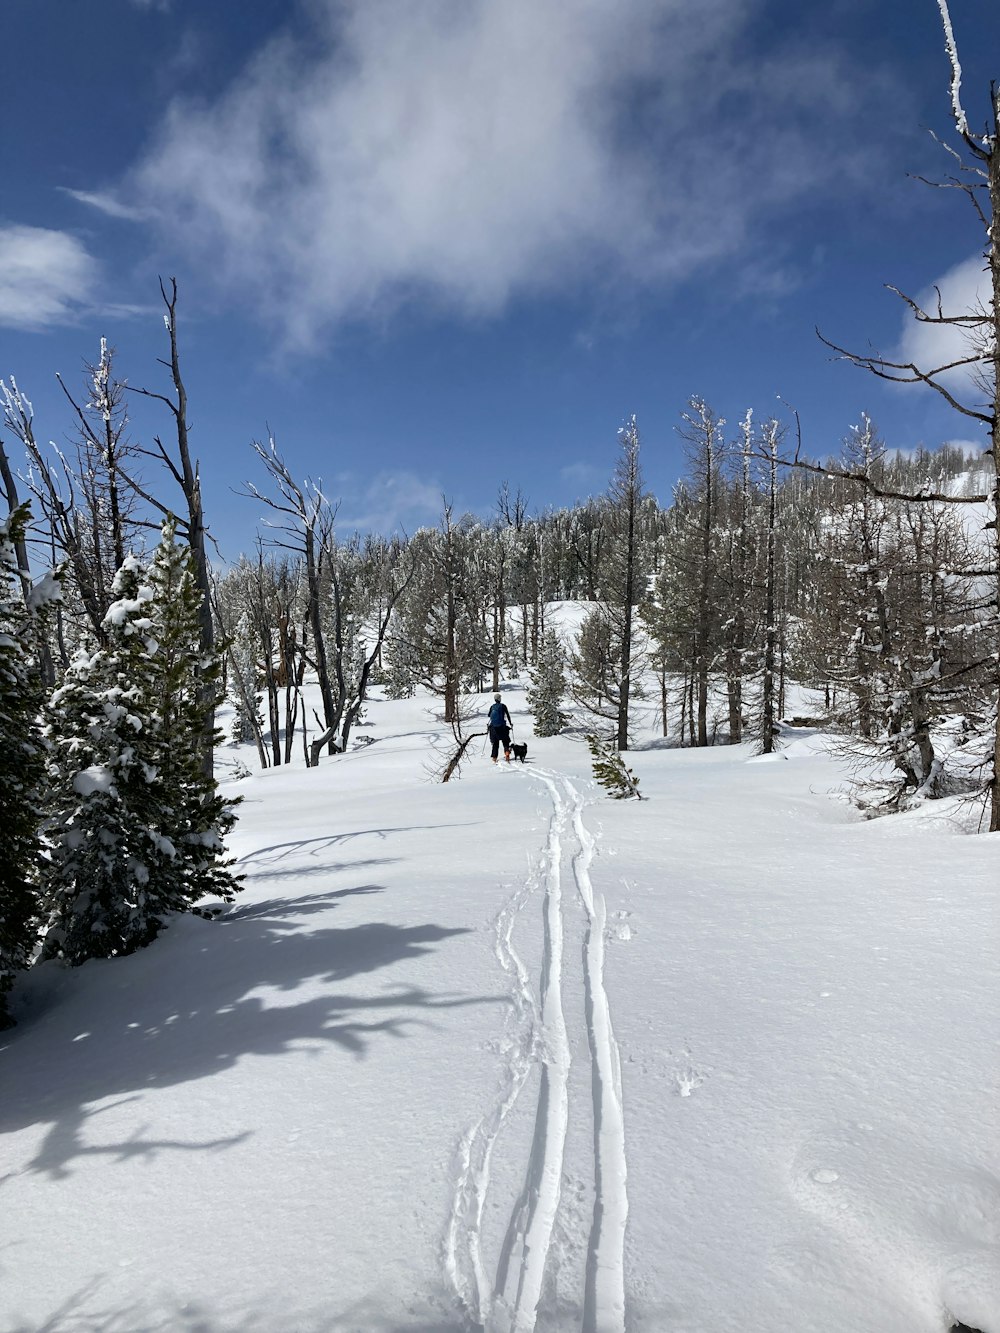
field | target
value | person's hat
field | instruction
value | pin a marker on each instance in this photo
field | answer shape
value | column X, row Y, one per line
column 496, row 696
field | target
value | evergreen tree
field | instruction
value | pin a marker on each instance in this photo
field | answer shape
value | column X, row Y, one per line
column 611, row 771
column 545, row 694
column 398, row 676
column 194, row 817
column 437, row 631
column 248, row 719
column 20, row 771
column 108, row 857
column 136, row 822
column 594, row 664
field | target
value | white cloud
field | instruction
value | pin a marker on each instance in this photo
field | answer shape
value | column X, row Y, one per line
column 105, row 203
column 964, row 289
column 45, row 277
column 586, row 477
column 390, row 502
column 465, row 153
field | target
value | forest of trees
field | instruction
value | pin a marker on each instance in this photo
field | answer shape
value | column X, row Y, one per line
column 870, row 577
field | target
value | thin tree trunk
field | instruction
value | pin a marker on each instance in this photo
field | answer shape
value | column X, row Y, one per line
column 994, row 255
column 496, row 648
column 46, row 666
column 190, row 480
column 626, row 657
column 770, row 628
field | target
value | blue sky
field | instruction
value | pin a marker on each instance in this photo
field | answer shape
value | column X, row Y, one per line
column 436, row 245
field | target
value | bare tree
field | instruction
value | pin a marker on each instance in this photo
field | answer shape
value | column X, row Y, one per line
column 56, row 493
column 13, row 501
column 306, row 529
column 390, row 570
column 770, row 441
column 739, row 563
column 506, row 544
column 625, row 494
column 101, row 456
column 977, row 168
column 186, row 473
column 702, row 430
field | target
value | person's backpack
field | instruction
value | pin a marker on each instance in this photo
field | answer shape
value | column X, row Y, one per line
column 496, row 715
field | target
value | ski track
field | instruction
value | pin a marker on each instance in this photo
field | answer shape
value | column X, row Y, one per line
column 537, row 1035
column 604, row 1304
column 463, row 1242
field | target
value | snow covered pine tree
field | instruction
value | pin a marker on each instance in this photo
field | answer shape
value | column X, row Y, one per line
column 21, row 771
column 196, row 817
column 135, row 822
column 544, row 695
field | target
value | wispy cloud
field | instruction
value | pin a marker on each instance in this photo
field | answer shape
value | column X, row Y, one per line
column 390, row 502
column 587, row 478
column 116, row 310
column 46, row 277
column 105, row 203
column 465, row 154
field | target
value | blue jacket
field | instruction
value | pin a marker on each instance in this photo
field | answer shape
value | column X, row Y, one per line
column 499, row 717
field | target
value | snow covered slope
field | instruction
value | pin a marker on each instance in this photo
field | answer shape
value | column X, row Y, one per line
column 507, row 1054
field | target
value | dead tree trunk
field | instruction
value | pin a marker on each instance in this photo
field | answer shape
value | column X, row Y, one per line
column 982, row 356
column 768, row 720
column 185, row 472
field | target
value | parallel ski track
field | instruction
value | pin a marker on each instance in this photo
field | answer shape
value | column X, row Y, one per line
column 510, row 1304
column 529, row 1232
column 604, row 1302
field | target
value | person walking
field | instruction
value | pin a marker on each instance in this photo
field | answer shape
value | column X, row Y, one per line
column 500, row 725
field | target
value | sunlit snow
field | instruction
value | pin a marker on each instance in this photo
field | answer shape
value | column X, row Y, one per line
column 508, row 1054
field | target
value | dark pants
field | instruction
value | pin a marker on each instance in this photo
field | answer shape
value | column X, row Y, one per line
column 500, row 735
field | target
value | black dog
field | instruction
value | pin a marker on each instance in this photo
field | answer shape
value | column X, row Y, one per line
column 519, row 751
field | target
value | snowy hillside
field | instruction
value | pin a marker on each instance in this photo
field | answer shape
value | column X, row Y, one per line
column 506, row 1054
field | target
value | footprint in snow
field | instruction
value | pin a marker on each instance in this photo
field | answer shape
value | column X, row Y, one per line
column 620, row 928
column 688, row 1080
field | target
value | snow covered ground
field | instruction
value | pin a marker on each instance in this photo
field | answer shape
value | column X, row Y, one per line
column 508, row 1054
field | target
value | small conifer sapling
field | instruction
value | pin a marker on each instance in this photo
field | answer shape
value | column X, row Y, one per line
column 611, row 771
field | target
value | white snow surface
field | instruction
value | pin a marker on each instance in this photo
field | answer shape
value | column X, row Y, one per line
column 507, row 1054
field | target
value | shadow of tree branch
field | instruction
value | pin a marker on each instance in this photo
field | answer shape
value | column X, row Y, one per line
column 197, row 1003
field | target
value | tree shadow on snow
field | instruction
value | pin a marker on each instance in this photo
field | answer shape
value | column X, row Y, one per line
column 190, row 1007
column 299, row 871
column 83, row 1312
column 279, row 851
column 307, row 904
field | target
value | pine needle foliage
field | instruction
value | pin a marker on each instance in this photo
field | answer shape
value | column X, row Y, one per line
column 548, row 686
column 107, row 856
column 21, row 769
column 611, row 771
column 198, row 817
column 136, row 824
